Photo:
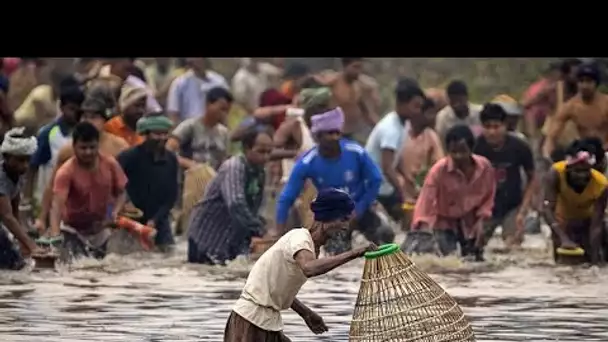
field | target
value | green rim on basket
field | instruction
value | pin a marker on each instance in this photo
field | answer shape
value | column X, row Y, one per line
column 383, row 250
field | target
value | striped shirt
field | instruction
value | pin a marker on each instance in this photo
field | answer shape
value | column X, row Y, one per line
column 222, row 224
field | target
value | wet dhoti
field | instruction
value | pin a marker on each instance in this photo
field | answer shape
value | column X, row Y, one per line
column 239, row 329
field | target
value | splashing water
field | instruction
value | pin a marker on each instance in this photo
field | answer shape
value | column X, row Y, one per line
column 519, row 296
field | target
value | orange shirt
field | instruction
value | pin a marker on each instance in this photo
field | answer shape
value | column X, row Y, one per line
column 118, row 127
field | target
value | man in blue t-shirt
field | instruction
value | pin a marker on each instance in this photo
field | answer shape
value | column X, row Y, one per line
column 339, row 163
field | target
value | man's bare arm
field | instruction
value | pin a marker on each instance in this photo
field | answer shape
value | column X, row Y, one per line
column 387, row 158
column 550, row 203
column 313, row 267
column 597, row 225
column 173, row 146
column 284, row 132
column 301, row 309
column 529, row 192
column 11, row 222
column 56, row 209
column 28, row 188
column 556, row 127
column 121, row 201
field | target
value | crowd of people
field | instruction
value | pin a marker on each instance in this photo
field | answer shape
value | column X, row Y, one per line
column 116, row 136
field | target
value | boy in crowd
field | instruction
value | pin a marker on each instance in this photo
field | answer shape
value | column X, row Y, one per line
column 508, row 155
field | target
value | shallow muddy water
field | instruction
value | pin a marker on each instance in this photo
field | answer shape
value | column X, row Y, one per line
column 515, row 297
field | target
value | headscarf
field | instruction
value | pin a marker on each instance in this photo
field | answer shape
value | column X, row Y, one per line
column 313, row 97
column 154, row 123
column 332, row 204
column 508, row 104
column 18, row 145
column 129, row 95
column 332, row 120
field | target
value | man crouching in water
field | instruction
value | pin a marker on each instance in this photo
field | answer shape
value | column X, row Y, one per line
column 276, row 278
column 85, row 187
column 16, row 151
column 575, row 201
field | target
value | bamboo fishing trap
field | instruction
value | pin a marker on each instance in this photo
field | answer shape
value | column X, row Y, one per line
column 399, row 302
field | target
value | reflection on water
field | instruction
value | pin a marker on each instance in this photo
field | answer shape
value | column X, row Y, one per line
column 518, row 297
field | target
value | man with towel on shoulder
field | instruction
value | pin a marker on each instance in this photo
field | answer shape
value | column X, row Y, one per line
column 16, row 151
column 339, row 163
column 276, row 278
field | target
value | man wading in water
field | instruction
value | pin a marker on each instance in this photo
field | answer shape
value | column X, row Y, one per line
column 96, row 111
column 85, row 187
column 456, row 199
column 16, row 151
column 152, row 172
column 224, row 221
column 278, row 275
column 575, row 201
column 340, row 163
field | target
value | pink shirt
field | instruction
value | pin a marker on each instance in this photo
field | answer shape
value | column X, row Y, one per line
column 89, row 193
column 448, row 199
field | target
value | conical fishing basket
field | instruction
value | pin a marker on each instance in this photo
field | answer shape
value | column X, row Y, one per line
column 196, row 180
column 399, row 302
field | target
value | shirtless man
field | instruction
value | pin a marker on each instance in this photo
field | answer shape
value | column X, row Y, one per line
column 348, row 93
column 575, row 201
column 588, row 109
column 96, row 113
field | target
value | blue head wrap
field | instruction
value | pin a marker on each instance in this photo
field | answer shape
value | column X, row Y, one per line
column 331, row 205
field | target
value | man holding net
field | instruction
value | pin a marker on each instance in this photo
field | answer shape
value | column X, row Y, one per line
column 282, row 270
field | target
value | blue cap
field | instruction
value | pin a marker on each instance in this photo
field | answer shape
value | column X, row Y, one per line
column 332, row 204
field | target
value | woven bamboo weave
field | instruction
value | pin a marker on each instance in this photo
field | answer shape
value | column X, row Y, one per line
column 196, row 180
column 399, row 302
